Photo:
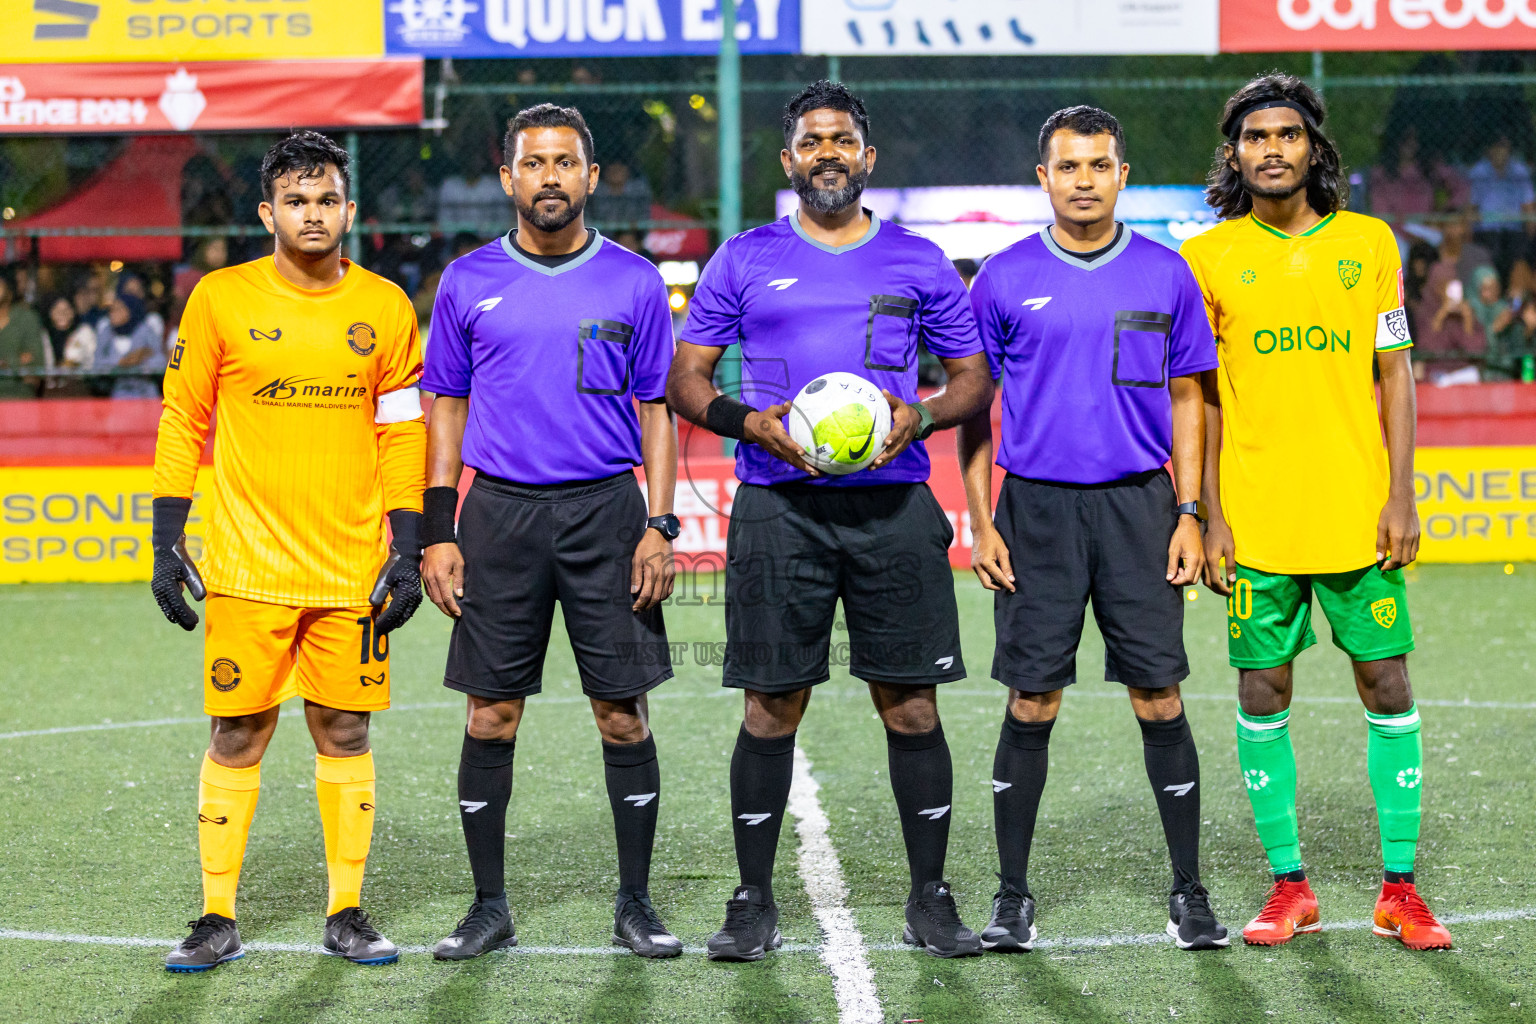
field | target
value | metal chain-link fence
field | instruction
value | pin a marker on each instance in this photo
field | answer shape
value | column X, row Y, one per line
column 1416, row 130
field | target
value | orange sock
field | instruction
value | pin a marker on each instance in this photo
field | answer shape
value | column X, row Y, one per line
column 344, row 787
column 226, row 803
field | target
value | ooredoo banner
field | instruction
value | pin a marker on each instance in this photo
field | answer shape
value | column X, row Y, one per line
column 1281, row 25
column 146, row 98
column 926, row 27
column 54, row 31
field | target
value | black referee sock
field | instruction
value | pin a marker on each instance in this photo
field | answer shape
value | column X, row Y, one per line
column 634, row 793
column 1173, row 767
column 761, row 770
column 1018, row 778
column 922, row 780
column 485, row 788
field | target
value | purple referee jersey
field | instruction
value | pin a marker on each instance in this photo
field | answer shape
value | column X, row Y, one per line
column 1085, row 351
column 550, row 358
column 800, row 309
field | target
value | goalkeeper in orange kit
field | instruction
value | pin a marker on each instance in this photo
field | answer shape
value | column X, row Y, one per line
column 313, row 363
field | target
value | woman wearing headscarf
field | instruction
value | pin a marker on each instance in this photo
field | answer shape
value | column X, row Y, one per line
column 128, row 339
column 71, row 345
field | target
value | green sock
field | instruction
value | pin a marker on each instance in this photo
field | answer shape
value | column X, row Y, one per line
column 1395, row 762
column 1269, row 773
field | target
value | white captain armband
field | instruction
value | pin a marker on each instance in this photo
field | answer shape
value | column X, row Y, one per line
column 1392, row 330
column 404, row 404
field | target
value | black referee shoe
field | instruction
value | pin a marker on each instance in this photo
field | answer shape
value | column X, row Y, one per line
column 934, row 923
column 636, row 926
column 487, row 926
column 1191, row 922
column 751, row 928
column 1012, row 928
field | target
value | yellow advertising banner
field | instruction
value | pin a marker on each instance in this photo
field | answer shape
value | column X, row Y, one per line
column 92, row 524
column 1476, row 504
column 140, row 31
column 87, row 524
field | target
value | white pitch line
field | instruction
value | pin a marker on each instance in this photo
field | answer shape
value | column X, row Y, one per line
column 842, row 947
column 1489, row 705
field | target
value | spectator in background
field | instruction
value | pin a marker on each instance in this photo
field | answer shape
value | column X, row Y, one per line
column 1513, row 344
column 130, row 340
column 1409, row 185
column 21, row 340
column 967, row 269
column 1503, row 193
column 426, row 293
column 1447, row 337
column 71, row 346
column 211, row 254
column 1508, row 337
column 621, row 197
column 1457, row 248
column 476, row 201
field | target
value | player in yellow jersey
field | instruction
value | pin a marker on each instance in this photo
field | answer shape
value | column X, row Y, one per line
column 1305, row 298
column 313, row 363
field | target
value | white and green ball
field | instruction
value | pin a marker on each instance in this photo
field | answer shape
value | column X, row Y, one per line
column 841, row 420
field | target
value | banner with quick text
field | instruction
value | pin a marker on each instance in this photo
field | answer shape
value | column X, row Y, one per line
column 92, row 524
column 584, row 28
column 133, row 31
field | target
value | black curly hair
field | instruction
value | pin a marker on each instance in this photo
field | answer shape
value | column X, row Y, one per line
column 1327, row 182
column 306, row 152
column 825, row 95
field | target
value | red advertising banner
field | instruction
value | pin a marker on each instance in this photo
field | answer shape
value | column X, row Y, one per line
column 1250, row 26
column 214, row 96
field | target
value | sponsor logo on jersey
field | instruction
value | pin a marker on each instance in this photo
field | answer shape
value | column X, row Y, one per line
column 1248, row 277
column 945, row 662
column 1349, row 273
column 224, row 674
column 361, row 338
column 365, row 806
column 1316, row 338
column 258, row 335
column 486, row 305
column 1036, row 304
column 371, row 681
column 284, row 388
column 781, row 283
column 176, row 351
column 1384, row 612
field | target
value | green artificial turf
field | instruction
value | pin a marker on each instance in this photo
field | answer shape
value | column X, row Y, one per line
column 97, row 838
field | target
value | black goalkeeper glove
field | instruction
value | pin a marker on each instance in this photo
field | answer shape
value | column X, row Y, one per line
column 400, row 579
column 173, row 566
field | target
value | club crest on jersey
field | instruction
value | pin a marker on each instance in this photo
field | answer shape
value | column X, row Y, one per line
column 225, row 675
column 1349, row 273
column 1384, row 612
column 360, row 338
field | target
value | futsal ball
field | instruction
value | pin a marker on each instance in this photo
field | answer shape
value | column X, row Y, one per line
column 841, row 421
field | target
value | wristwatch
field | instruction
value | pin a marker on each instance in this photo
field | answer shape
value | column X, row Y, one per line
column 666, row 525
column 924, row 421
column 1189, row 508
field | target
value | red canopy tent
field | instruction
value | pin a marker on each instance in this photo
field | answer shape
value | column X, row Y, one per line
column 141, row 188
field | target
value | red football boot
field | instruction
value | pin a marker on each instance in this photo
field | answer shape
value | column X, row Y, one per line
column 1401, row 914
column 1289, row 910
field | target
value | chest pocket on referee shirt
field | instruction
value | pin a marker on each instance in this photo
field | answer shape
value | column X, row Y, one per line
column 602, row 357
column 1141, row 348
column 888, row 335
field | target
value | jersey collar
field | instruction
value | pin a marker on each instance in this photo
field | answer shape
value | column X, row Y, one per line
column 874, row 229
column 539, row 268
column 1055, row 249
column 1314, row 229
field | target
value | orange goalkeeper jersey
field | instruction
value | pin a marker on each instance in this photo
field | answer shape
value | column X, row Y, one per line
column 319, row 429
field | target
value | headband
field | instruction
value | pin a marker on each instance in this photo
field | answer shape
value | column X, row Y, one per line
column 1242, row 115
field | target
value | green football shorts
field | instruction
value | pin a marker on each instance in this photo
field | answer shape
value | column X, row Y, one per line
column 1269, row 615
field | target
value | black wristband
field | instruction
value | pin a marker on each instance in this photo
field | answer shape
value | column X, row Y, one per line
column 170, row 522
column 405, row 532
column 727, row 417
column 439, row 506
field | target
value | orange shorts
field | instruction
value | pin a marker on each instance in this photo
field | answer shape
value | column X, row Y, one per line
column 257, row 655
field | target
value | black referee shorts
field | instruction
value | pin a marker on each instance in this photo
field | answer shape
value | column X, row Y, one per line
column 526, row 547
column 794, row 550
column 1069, row 543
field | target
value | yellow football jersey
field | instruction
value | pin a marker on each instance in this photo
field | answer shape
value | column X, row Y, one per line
column 1298, row 321
column 319, row 429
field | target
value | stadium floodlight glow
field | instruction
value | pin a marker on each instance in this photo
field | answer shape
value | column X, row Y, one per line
column 677, row 300
column 678, row 273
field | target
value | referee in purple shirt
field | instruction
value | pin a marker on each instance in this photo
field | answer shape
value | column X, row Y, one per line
column 1100, row 337
column 541, row 344
column 833, row 287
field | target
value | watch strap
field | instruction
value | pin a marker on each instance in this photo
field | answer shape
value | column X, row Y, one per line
column 924, row 421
